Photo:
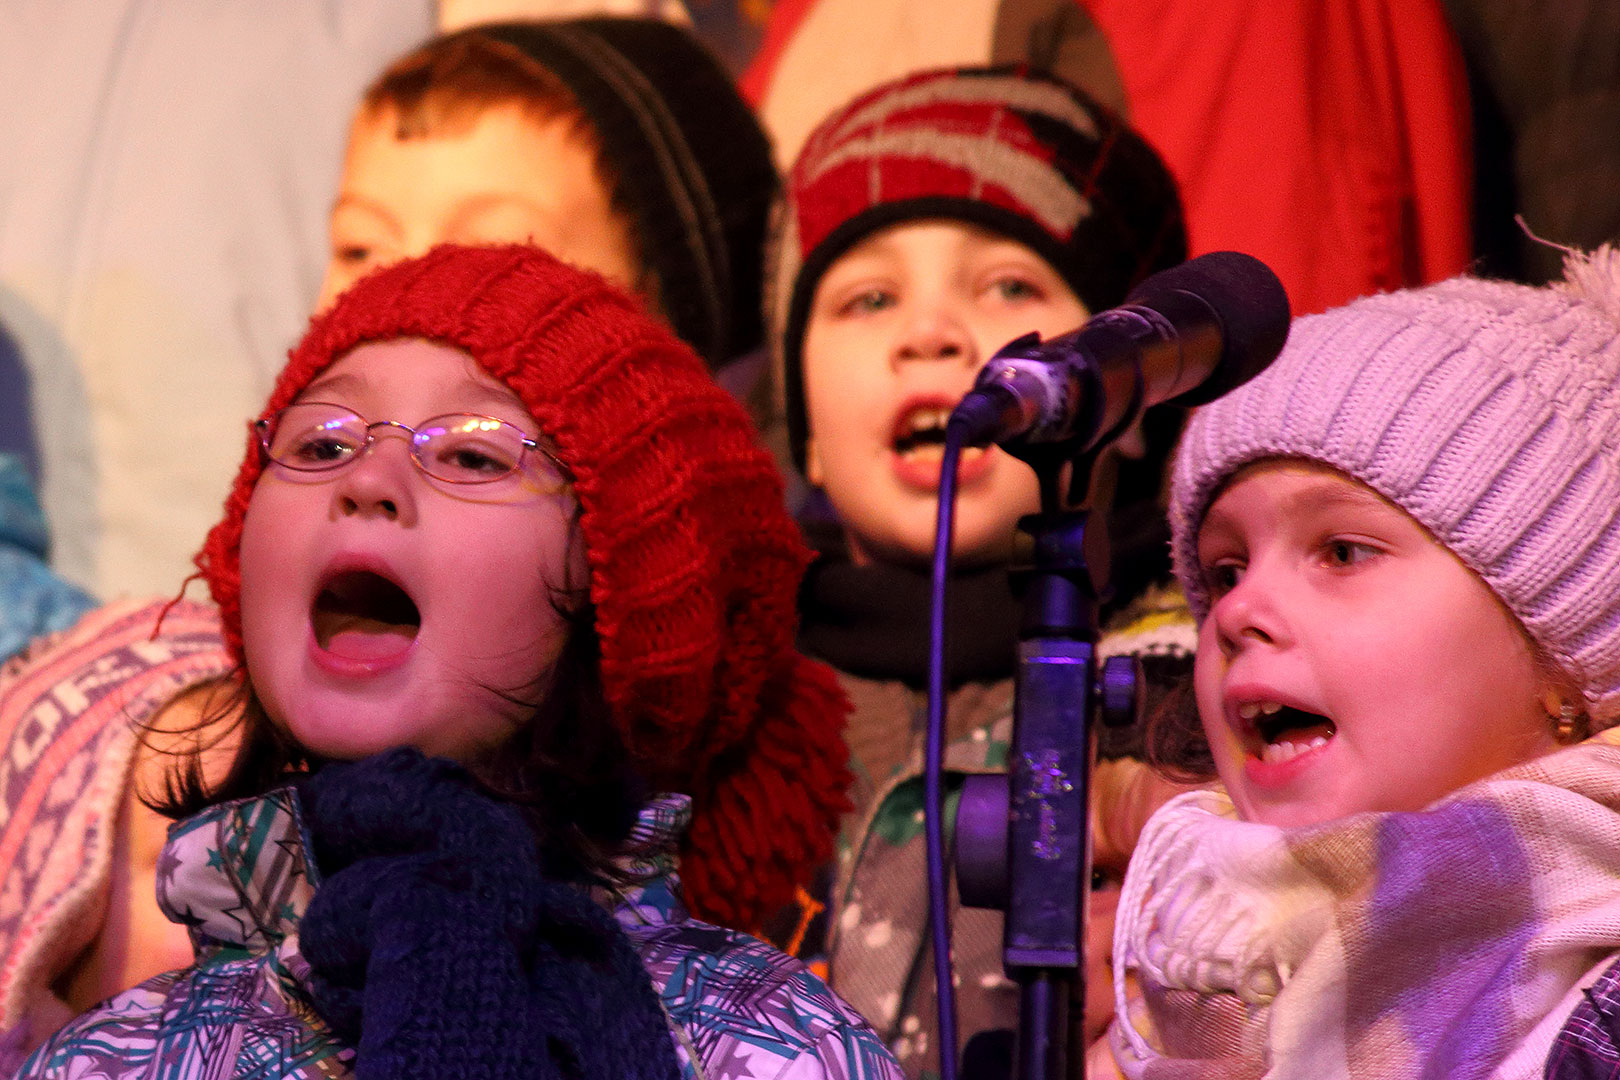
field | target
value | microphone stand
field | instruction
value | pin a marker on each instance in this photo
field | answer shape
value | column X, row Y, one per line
column 1024, row 840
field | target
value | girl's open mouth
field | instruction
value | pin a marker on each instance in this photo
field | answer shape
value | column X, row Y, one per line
column 1282, row 732
column 361, row 615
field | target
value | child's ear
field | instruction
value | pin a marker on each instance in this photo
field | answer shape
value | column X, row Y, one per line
column 813, row 471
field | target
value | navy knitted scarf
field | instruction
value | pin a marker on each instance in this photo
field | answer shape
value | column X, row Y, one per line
column 439, row 948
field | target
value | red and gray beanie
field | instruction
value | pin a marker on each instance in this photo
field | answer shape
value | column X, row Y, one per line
column 1025, row 155
column 694, row 563
column 1488, row 411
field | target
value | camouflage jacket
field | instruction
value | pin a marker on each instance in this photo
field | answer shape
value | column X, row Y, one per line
column 878, row 952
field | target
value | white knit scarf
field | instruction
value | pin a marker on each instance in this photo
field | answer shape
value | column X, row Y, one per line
column 1451, row 942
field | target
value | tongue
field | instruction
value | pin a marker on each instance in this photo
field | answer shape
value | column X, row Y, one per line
column 355, row 637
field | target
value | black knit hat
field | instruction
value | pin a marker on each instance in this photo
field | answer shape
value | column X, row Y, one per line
column 1023, row 154
column 694, row 168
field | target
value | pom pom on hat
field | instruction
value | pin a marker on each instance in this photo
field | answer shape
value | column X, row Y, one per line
column 694, row 561
column 1594, row 277
column 1488, row 411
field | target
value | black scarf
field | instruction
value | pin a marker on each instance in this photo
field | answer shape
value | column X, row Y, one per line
column 872, row 621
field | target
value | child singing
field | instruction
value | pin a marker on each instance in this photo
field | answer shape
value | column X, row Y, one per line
column 926, row 224
column 1403, row 547
column 513, row 590
column 542, row 133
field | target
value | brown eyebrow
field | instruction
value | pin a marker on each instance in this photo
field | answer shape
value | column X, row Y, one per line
column 470, row 207
column 1325, row 493
column 502, row 405
column 339, row 382
column 493, row 400
column 1328, row 488
column 349, row 201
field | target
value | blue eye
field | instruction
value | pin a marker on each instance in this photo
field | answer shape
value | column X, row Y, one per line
column 473, row 461
column 1015, row 289
column 867, row 302
column 313, row 437
column 323, row 448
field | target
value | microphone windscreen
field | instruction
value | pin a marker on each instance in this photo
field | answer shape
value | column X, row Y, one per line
column 1246, row 299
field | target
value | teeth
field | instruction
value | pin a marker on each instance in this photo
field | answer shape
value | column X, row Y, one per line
column 933, row 419
column 1251, row 709
column 1275, row 753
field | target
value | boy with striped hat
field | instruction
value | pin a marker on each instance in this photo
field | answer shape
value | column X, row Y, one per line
column 925, row 225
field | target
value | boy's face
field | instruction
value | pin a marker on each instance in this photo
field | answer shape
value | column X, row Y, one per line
column 382, row 607
column 503, row 178
column 899, row 326
column 1349, row 661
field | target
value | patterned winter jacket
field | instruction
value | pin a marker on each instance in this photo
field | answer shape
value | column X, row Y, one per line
column 70, row 708
column 239, row 877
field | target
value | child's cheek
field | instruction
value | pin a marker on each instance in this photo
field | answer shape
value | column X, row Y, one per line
column 1209, row 673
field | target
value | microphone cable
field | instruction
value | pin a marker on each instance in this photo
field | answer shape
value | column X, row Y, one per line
column 957, row 434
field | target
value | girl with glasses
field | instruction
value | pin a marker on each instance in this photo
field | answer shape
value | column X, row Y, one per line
column 509, row 587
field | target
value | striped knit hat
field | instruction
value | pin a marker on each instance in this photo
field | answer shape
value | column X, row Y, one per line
column 694, row 563
column 1025, row 155
column 1488, row 411
column 693, row 168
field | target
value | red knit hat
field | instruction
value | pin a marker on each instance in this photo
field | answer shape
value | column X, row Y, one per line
column 1020, row 153
column 694, row 562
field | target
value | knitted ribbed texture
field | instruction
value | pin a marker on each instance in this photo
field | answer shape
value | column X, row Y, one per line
column 694, row 562
column 438, row 947
column 1022, row 154
column 693, row 167
column 1490, row 412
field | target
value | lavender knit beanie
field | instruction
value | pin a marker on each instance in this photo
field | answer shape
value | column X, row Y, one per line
column 1488, row 411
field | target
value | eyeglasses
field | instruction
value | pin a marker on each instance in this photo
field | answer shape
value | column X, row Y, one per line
column 458, row 448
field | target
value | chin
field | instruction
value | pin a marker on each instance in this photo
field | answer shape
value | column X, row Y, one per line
column 323, row 742
column 1297, row 815
column 967, row 552
column 981, row 543
column 987, row 528
column 1283, row 817
column 342, row 730
column 973, row 556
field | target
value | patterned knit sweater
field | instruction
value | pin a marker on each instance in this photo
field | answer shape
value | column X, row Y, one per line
column 70, row 707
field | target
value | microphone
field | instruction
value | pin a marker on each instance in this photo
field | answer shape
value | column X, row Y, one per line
column 1185, row 335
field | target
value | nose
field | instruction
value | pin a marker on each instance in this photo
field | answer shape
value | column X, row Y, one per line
column 933, row 330
column 1251, row 613
column 381, row 483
